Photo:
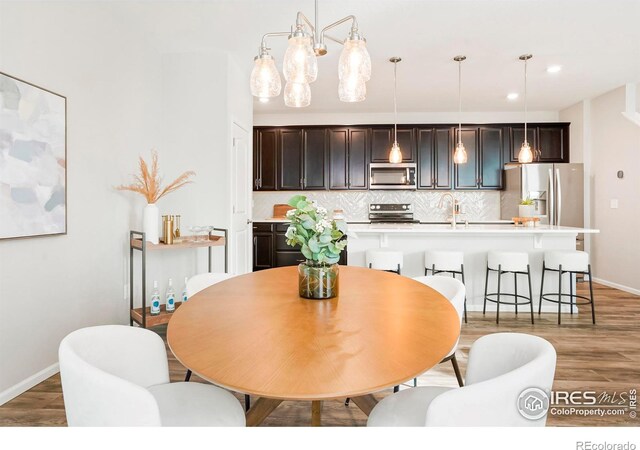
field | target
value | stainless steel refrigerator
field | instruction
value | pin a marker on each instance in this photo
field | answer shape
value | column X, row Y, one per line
column 557, row 191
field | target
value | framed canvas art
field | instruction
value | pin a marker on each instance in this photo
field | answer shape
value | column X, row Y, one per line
column 33, row 160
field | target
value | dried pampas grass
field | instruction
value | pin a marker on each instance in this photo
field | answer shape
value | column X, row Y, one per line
column 148, row 182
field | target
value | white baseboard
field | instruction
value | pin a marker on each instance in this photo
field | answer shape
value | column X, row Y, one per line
column 28, row 383
column 628, row 289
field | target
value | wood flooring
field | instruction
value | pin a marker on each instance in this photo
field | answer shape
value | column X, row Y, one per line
column 604, row 357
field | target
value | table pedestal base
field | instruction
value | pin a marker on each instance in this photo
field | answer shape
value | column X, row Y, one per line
column 260, row 410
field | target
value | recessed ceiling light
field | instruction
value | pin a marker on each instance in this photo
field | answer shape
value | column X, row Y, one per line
column 512, row 96
column 554, row 69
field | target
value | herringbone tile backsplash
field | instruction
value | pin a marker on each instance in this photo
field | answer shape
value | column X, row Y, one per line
column 476, row 206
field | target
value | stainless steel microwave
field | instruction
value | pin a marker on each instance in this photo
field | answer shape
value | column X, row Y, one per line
column 392, row 176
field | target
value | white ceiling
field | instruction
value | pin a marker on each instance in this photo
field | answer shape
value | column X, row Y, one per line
column 597, row 43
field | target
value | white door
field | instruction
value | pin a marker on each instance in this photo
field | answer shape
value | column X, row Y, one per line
column 240, row 238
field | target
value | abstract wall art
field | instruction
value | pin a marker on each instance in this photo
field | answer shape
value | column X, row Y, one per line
column 33, row 159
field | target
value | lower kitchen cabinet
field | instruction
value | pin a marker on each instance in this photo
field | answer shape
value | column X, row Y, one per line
column 270, row 247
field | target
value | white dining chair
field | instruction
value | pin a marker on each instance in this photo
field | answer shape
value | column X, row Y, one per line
column 502, row 366
column 455, row 292
column 115, row 375
column 203, row 280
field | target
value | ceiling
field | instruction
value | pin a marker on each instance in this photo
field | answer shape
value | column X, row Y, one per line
column 597, row 43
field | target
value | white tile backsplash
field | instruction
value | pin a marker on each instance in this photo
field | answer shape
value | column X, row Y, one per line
column 476, row 205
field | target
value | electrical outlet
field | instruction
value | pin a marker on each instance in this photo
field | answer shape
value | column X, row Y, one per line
column 613, row 204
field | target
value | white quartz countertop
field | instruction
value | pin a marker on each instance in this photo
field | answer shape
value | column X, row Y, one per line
column 461, row 229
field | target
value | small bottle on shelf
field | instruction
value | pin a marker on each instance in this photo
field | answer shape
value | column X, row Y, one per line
column 185, row 297
column 171, row 297
column 155, row 299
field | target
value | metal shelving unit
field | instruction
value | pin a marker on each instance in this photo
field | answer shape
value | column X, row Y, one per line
column 137, row 242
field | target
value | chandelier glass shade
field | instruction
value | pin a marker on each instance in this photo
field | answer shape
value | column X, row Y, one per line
column 525, row 155
column 460, row 154
column 265, row 80
column 300, row 64
column 355, row 60
column 395, row 155
column 352, row 89
column 297, row 95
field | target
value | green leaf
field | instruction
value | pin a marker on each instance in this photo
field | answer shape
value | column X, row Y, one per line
column 302, row 231
column 293, row 201
column 325, row 238
column 304, row 217
column 313, row 245
column 309, row 224
column 306, row 252
column 302, row 204
column 341, row 225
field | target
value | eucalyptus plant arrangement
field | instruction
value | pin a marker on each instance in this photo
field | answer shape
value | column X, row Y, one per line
column 320, row 238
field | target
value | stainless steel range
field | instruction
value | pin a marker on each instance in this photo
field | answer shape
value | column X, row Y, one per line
column 391, row 213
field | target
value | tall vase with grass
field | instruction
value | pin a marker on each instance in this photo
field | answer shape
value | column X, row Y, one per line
column 321, row 240
column 148, row 183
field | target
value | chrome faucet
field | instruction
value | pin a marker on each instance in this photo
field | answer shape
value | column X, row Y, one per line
column 453, row 206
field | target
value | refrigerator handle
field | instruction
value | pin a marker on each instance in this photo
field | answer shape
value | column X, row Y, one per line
column 558, row 197
column 551, row 199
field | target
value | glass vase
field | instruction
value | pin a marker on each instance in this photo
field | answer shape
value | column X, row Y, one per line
column 318, row 281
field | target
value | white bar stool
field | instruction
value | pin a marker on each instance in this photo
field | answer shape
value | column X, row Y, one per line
column 441, row 261
column 572, row 262
column 385, row 259
column 516, row 263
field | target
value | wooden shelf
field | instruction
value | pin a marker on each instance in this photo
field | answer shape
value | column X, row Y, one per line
column 183, row 242
column 152, row 321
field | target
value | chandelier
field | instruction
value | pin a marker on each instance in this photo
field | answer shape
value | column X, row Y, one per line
column 300, row 64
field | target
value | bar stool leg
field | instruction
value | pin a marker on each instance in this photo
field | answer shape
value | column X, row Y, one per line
column 515, row 287
column 530, row 291
column 544, row 269
column 498, row 303
column 465, row 295
column 187, row 376
column 593, row 303
column 486, row 284
column 398, row 269
column 571, row 291
column 559, row 292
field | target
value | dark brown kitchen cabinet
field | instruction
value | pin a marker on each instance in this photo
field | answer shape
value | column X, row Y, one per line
column 290, row 160
column 347, row 158
column 265, row 144
column 382, row 140
column 435, row 149
column 270, row 248
column 549, row 142
column 263, row 246
column 314, row 161
column 466, row 175
column 490, row 167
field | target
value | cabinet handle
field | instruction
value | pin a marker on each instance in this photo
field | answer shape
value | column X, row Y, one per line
column 256, row 183
column 260, row 182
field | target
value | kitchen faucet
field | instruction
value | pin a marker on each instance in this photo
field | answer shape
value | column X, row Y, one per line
column 453, row 206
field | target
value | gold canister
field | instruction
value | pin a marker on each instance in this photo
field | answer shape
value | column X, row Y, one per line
column 167, row 226
column 176, row 233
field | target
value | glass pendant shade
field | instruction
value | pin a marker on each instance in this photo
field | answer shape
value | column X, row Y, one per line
column 265, row 80
column 354, row 60
column 526, row 155
column 300, row 64
column 460, row 154
column 352, row 89
column 297, row 95
column 395, row 155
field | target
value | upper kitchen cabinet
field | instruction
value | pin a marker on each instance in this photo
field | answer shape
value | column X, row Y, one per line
column 290, row 159
column 382, row 140
column 434, row 158
column 466, row 175
column 490, row 167
column 348, row 158
column 265, row 144
column 314, row 161
column 550, row 142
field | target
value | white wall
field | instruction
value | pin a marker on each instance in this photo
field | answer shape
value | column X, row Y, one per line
column 124, row 97
column 611, row 143
column 301, row 118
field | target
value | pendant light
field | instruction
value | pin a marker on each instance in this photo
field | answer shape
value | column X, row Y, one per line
column 395, row 155
column 460, row 154
column 526, row 154
column 265, row 79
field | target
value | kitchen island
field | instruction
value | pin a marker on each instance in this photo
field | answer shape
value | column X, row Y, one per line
column 474, row 240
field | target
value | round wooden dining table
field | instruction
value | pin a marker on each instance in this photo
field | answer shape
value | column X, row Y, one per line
column 255, row 335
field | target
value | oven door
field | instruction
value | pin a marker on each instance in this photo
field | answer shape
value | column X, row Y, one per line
column 392, row 176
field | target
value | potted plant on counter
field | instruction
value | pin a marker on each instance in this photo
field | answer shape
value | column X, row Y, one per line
column 526, row 208
column 321, row 240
